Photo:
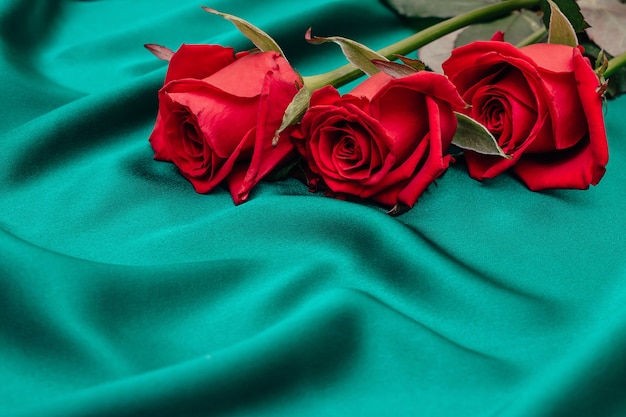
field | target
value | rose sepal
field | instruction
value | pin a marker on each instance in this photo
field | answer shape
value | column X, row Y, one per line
column 300, row 103
column 398, row 209
column 560, row 29
column 258, row 37
column 295, row 110
column 358, row 54
column 162, row 52
column 407, row 66
column 473, row 136
column 394, row 69
column 416, row 64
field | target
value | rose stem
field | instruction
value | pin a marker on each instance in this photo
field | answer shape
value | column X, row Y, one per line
column 615, row 64
column 349, row 72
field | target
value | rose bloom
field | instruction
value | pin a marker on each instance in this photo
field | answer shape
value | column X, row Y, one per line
column 542, row 105
column 385, row 141
column 218, row 113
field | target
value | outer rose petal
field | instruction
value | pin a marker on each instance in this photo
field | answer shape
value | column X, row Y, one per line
column 399, row 102
column 198, row 61
column 433, row 125
column 470, row 63
column 556, row 66
column 573, row 168
column 158, row 141
column 592, row 106
column 436, row 162
column 585, row 165
column 275, row 96
column 325, row 95
column 245, row 76
column 371, row 86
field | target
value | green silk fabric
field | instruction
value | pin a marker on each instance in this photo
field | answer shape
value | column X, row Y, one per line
column 125, row 293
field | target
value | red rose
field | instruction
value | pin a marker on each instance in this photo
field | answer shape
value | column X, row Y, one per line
column 218, row 113
column 541, row 104
column 385, row 141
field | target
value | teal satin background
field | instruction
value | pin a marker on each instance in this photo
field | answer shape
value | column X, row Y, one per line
column 123, row 292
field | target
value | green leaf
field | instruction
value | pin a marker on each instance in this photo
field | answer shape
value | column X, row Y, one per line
column 433, row 8
column 260, row 39
column 560, row 30
column 358, row 54
column 570, row 9
column 437, row 51
column 473, row 136
column 294, row 111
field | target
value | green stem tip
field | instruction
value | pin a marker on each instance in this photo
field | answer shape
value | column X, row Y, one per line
column 615, row 64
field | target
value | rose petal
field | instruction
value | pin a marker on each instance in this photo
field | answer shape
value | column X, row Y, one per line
column 550, row 56
column 400, row 111
column 158, row 141
column 324, row 95
column 245, row 76
column 198, row 61
column 371, row 85
column 572, row 168
column 216, row 109
column 273, row 101
column 592, row 106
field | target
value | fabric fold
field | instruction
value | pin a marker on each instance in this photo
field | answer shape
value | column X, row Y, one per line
column 124, row 292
